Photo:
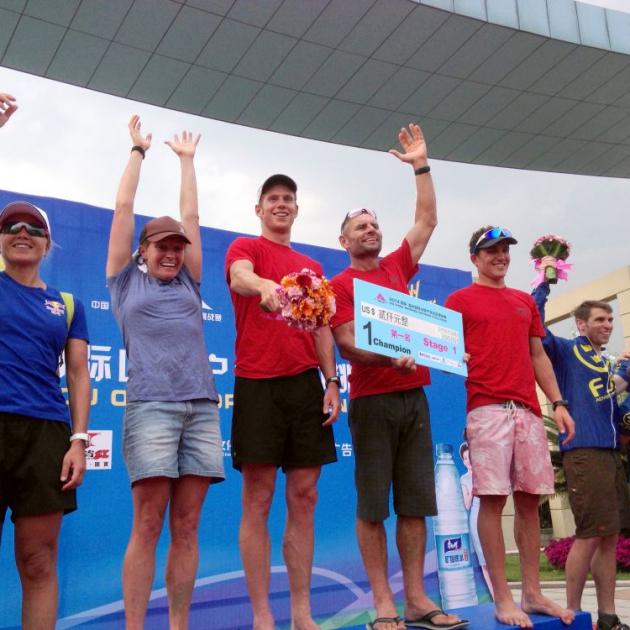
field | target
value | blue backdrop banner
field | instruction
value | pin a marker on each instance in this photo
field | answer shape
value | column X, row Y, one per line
column 93, row 539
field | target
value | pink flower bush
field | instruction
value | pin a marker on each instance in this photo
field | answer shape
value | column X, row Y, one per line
column 558, row 550
column 623, row 552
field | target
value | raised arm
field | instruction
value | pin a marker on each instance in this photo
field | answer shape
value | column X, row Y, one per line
column 8, row 107
column 546, row 378
column 540, row 295
column 78, row 380
column 188, row 199
column 245, row 281
column 121, row 233
column 414, row 148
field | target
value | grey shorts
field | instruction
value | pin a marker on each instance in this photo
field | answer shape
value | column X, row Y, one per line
column 391, row 437
column 173, row 439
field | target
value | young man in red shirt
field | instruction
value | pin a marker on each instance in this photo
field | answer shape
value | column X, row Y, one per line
column 389, row 415
column 504, row 428
column 281, row 416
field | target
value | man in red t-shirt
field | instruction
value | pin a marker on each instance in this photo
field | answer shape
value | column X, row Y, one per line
column 504, row 428
column 389, row 415
column 281, row 415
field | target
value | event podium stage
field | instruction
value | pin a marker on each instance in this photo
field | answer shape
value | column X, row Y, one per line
column 482, row 618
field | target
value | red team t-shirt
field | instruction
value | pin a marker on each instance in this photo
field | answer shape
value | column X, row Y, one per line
column 394, row 271
column 497, row 326
column 266, row 347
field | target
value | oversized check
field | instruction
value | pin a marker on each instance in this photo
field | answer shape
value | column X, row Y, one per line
column 393, row 323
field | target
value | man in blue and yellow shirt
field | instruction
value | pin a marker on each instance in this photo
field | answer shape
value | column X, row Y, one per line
column 598, row 492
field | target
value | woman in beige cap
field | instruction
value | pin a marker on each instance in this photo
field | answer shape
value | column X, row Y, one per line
column 171, row 438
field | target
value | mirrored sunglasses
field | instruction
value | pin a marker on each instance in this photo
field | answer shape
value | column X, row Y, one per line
column 31, row 230
column 495, row 232
column 358, row 211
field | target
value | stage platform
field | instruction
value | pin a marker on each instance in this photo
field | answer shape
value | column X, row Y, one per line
column 220, row 609
column 482, row 618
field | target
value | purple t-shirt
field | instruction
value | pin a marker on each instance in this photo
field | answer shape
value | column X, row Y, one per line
column 162, row 329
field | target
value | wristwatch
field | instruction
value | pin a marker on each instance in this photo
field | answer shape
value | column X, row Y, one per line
column 560, row 403
column 333, row 379
column 80, row 436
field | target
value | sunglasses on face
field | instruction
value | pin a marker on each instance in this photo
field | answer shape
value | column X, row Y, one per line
column 495, row 232
column 31, row 230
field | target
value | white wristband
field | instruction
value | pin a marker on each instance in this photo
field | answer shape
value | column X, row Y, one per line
column 80, row 436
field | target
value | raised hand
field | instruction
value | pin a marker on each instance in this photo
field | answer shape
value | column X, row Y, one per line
column 548, row 261
column 414, row 146
column 135, row 132
column 7, row 107
column 185, row 147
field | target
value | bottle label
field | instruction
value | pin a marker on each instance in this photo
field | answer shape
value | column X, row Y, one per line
column 453, row 552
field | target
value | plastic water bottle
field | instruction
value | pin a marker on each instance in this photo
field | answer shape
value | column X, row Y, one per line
column 452, row 540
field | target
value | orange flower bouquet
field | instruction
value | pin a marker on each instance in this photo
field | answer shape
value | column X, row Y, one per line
column 307, row 300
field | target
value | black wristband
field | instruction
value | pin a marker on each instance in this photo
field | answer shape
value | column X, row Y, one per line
column 560, row 403
column 333, row 379
column 422, row 170
column 139, row 149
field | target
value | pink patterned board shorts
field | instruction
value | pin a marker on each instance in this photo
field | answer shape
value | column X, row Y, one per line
column 508, row 451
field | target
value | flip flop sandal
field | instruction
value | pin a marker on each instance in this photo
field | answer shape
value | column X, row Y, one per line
column 426, row 622
column 372, row 624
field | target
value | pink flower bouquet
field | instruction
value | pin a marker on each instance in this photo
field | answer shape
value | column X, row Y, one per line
column 559, row 248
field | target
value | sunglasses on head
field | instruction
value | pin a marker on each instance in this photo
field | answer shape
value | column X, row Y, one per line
column 358, row 211
column 31, row 230
column 495, row 232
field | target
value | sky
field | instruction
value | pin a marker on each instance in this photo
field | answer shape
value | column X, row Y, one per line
column 616, row 5
column 73, row 143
